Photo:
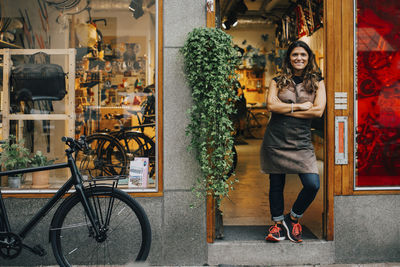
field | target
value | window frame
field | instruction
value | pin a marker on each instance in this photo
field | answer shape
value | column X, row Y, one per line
column 158, row 191
column 362, row 190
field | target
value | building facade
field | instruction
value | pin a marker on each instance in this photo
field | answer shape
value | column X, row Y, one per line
column 359, row 207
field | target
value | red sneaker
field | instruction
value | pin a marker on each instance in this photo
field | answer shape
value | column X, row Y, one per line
column 293, row 229
column 276, row 233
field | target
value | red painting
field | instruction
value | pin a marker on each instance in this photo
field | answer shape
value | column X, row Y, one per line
column 378, row 92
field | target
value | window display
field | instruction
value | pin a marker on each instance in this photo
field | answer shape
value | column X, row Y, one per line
column 378, row 103
column 83, row 69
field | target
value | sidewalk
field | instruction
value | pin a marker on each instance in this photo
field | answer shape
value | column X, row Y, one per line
column 385, row 264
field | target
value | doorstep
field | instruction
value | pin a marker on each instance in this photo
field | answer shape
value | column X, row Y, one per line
column 244, row 245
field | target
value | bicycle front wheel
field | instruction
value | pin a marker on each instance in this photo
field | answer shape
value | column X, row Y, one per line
column 124, row 227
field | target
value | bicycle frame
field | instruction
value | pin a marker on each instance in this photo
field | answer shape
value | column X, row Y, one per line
column 75, row 180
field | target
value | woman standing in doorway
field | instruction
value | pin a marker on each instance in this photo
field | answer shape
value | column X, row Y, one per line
column 295, row 96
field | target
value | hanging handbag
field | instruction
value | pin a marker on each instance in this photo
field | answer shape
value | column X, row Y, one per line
column 43, row 81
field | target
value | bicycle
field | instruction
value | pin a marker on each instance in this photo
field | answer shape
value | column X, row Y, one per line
column 135, row 143
column 105, row 156
column 112, row 150
column 90, row 226
column 256, row 123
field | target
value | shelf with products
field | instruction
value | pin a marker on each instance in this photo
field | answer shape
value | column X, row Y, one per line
column 102, row 91
column 9, row 115
column 253, row 81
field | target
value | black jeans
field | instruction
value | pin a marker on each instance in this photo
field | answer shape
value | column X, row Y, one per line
column 306, row 196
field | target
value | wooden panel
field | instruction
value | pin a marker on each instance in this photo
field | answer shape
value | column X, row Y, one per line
column 210, row 199
column 210, row 219
column 343, row 54
column 347, row 81
column 210, row 13
column 331, row 178
column 337, row 76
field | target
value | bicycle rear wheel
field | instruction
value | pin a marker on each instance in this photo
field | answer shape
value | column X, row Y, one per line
column 258, row 124
column 126, row 230
column 105, row 157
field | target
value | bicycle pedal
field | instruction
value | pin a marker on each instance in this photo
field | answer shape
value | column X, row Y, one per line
column 39, row 250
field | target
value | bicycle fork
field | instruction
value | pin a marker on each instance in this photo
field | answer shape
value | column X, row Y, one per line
column 98, row 219
column 91, row 212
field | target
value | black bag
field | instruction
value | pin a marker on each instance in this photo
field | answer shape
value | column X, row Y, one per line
column 38, row 81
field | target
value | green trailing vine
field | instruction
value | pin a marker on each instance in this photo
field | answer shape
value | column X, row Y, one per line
column 209, row 63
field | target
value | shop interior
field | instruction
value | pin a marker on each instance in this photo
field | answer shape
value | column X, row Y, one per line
column 261, row 30
column 112, row 90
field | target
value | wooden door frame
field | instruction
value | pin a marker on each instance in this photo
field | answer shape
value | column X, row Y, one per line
column 338, row 67
column 337, row 48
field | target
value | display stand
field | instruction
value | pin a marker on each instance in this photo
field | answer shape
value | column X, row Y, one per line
column 69, row 113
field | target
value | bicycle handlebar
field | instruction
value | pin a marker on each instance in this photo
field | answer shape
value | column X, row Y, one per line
column 76, row 145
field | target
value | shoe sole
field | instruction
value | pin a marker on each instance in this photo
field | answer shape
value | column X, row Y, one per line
column 288, row 235
column 274, row 239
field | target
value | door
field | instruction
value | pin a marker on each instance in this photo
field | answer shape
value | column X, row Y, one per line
column 325, row 145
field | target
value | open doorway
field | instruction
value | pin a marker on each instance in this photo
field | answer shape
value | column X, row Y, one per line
column 262, row 30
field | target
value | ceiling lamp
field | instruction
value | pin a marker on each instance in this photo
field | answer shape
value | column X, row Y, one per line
column 136, row 8
column 231, row 21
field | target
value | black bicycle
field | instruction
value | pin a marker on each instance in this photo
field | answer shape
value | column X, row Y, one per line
column 98, row 224
column 104, row 156
column 134, row 141
column 256, row 123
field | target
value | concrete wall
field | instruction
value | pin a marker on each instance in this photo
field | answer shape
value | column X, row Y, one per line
column 184, row 236
column 367, row 229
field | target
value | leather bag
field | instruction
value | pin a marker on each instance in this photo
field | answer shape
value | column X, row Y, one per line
column 38, row 81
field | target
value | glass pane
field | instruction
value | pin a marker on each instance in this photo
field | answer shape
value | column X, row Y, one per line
column 378, row 87
column 110, row 85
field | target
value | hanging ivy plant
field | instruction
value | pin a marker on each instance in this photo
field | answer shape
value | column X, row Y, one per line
column 209, row 63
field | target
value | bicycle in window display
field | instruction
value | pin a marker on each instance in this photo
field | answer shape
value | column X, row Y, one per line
column 256, row 123
column 97, row 224
column 111, row 150
column 135, row 142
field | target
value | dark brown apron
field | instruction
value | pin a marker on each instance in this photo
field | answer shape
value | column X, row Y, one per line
column 287, row 146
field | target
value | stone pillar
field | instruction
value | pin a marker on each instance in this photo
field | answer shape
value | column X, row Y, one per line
column 184, row 228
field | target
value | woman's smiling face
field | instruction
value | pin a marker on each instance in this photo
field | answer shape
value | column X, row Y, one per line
column 299, row 59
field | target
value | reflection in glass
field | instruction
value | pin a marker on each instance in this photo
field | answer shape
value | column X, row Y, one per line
column 114, row 92
column 378, row 88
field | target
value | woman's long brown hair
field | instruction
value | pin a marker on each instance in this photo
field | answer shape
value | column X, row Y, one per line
column 311, row 73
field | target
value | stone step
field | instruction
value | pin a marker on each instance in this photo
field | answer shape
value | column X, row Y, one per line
column 245, row 246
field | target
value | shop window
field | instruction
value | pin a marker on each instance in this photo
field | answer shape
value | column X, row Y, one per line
column 107, row 50
column 378, row 95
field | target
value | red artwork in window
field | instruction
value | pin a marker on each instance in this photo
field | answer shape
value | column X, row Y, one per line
column 378, row 78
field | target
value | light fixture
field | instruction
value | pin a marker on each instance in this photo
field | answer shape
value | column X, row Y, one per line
column 136, row 8
column 231, row 21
